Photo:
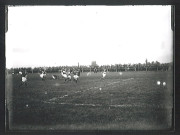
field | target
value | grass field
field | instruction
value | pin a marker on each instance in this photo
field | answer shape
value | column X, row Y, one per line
column 132, row 101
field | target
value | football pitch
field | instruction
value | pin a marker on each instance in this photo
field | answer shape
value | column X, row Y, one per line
column 131, row 101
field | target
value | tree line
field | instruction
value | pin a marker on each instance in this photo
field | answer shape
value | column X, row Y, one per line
column 153, row 66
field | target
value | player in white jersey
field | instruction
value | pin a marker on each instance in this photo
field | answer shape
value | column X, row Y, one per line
column 104, row 74
column 23, row 79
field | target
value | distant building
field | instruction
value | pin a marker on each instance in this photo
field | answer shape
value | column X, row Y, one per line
column 93, row 64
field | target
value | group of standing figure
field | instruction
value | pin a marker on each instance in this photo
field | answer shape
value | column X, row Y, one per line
column 66, row 75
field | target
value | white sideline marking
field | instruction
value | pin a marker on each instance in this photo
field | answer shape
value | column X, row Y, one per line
column 128, row 79
column 120, row 81
column 55, row 98
column 77, row 91
column 94, row 105
column 84, row 104
column 120, row 105
column 101, row 105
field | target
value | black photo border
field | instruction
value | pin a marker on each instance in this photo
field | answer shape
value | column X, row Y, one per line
column 3, row 28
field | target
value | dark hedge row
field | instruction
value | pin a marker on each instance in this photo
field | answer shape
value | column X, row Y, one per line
column 111, row 68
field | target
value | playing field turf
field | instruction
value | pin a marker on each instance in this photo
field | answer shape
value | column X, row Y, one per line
column 131, row 101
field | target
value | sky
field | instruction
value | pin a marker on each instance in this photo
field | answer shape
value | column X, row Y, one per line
column 68, row 35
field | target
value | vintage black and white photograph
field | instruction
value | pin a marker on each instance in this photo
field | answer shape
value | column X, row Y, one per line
column 89, row 68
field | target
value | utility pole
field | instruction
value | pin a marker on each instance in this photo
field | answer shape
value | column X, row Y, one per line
column 146, row 64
